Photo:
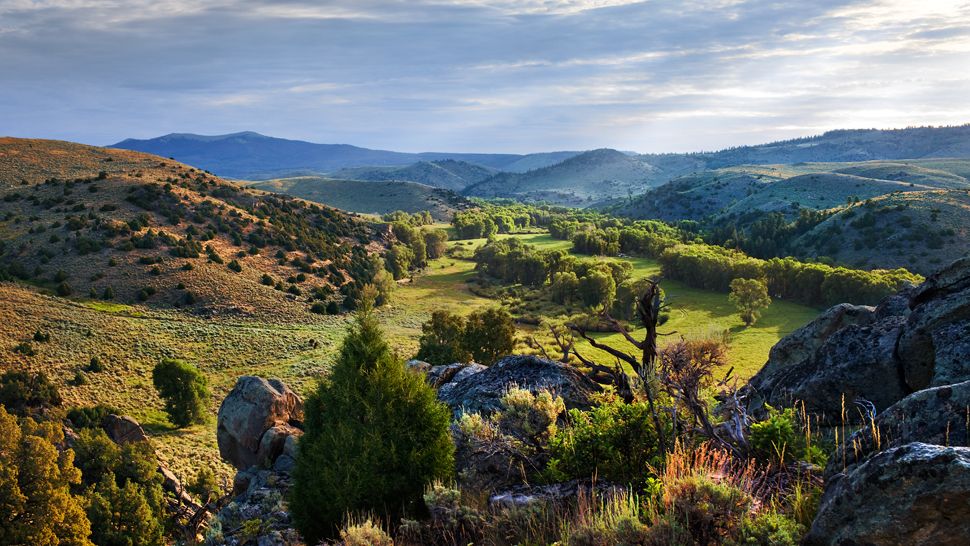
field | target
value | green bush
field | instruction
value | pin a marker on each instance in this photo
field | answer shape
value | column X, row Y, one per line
column 90, row 417
column 376, row 435
column 441, row 339
column 22, row 392
column 779, row 439
column 771, row 529
column 184, row 389
column 615, row 441
column 489, row 335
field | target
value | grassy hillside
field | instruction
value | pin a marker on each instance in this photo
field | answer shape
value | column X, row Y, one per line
column 920, row 231
column 446, row 173
column 129, row 227
column 370, row 197
column 578, row 181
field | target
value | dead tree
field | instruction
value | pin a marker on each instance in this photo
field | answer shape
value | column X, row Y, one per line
column 649, row 307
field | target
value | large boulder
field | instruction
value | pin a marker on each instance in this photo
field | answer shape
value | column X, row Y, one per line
column 123, row 429
column 935, row 342
column 917, row 494
column 856, row 363
column 931, row 416
column 255, row 419
column 482, row 391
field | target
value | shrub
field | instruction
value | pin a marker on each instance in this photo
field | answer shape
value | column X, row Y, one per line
column 235, row 266
column 90, row 417
column 95, row 365
column 35, row 481
column 108, row 294
column 64, row 289
column 779, row 439
column 184, row 389
column 41, row 337
column 205, row 486
column 771, row 529
column 615, row 441
column 319, row 308
column 710, row 512
column 530, row 417
column 21, row 392
column 376, row 435
column 365, row 533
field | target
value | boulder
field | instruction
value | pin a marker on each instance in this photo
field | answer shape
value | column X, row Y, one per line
column 417, row 365
column 482, row 391
column 253, row 407
column 856, row 362
column 449, row 373
column 797, row 350
column 935, row 342
column 123, row 429
column 931, row 416
column 915, row 494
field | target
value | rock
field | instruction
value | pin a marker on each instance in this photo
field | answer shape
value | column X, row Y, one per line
column 123, row 429
column 556, row 494
column 482, row 391
column 273, row 440
column 798, row 349
column 254, row 406
column 931, row 416
column 418, row 365
column 260, row 494
column 857, row 361
column 440, row 375
column 936, row 339
column 914, row 494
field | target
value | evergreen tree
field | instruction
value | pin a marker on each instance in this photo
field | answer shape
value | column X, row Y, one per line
column 376, row 435
column 184, row 389
column 36, row 505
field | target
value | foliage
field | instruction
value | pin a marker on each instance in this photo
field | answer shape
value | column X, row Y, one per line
column 36, row 505
column 364, row 533
column 530, row 417
column 770, row 528
column 376, row 435
column 614, row 441
column 185, row 390
column 23, row 392
column 782, row 438
column 442, row 339
column 750, row 296
column 489, row 335
column 90, row 417
column 205, row 486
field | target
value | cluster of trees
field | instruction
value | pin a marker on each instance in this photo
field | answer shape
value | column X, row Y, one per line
column 594, row 283
column 421, row 218
column 509, row 217
column 768, row 234
column 484, row 337
column 645, row 238
column 714, row 268
column 414, row 248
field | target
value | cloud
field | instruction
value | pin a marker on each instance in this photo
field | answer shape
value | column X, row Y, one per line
column 481, row 75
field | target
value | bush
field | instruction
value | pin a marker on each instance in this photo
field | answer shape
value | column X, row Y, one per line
column 184, row 389
column 615, row 441
column 365, row 533
column 205, row 486
column 235, row 266
column 64, row 289
column 709, row 512
column 95, row 365
column 35, row 481
column 23, row 392
column 771, row 529
column 90, row 417
column 376, row 435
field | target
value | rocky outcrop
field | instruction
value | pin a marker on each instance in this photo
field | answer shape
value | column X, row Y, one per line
column 873, row 357
column 932, row 416
column 255, row 419
column 915, row 494
column 258, row 432
column 123, row 429
column 480, row 391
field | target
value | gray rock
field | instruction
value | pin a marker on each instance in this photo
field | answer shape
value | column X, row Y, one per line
column 482, row 392
column 448, row 373
column 936, row 339
column 254, row 406
column 914, row 494
column 418, row 365
column 931, row 416
column 123, row 429
column 798, row 349
column 856, row 361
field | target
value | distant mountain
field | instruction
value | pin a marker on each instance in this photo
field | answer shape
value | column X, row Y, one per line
column 370, row 197
column 578, row 181
column 253, row 156
column 443, row 173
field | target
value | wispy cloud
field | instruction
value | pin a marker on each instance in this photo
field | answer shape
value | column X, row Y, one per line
column 502, row 75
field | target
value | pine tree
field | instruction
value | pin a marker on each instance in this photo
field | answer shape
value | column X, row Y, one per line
column 375, row 436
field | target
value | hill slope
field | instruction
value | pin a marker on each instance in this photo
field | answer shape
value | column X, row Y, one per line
column 443, row 173
column 370, row 197
column 84, row 221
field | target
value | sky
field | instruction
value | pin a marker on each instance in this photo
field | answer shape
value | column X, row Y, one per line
column 482, row 75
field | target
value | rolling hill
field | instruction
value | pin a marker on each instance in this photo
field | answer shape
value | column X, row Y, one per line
column 449, row 174
column 250, row 155
column 918, row 230
column 578, row 181
column 370, row 197
column 126, row 227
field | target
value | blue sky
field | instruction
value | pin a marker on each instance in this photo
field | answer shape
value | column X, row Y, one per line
column 479, row 75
